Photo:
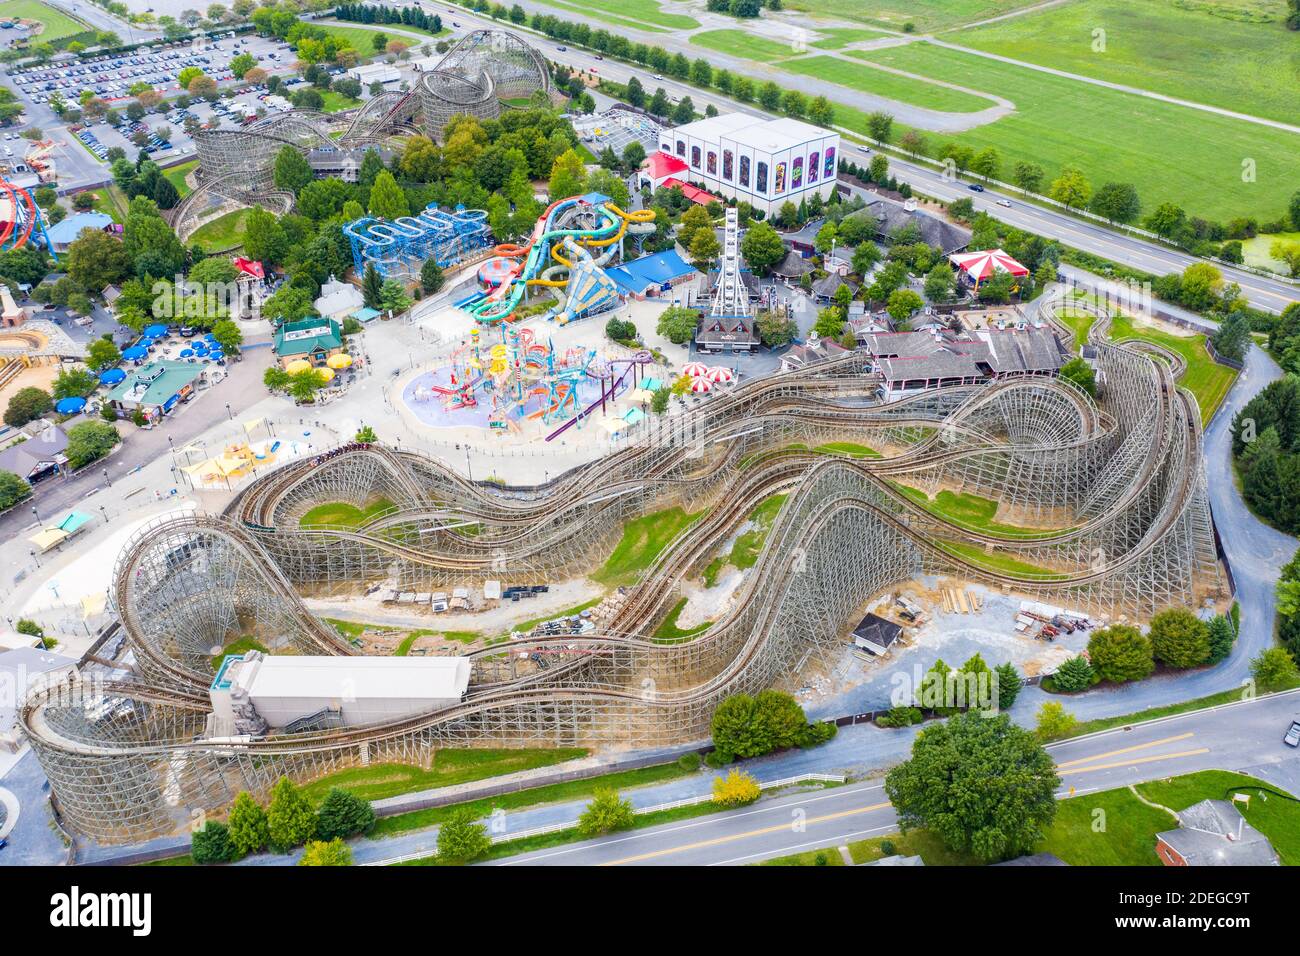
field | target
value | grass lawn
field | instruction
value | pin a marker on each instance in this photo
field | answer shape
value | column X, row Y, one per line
column 1205, row 378
column 1127, row 840
column 669, row 633
column 1272, row 815
column 837, row 37
column 998, row 561
column 223, row 234
column 536, row 796
column 57, row 23
column 349, row 629
column 333, row 102
column 449, row 767
column 238, row 646
column 343, row 514
column 645, row 11
column 643, row 540
column 1159, row 46
column 927, row 15
column 848, row 448
column 465, row 637
column 970, row 511
column 1203, row 175
column 920, row 843
column 747, row 45
column 177, row 176
column 111, row 201
column 906, row 89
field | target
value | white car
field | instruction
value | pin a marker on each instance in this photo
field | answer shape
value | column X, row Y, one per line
column 1005, row 202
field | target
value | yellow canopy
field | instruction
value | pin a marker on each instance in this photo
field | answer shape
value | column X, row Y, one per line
column 47, row 538
column 250, row 425
column 641, row 396
column 340, row 360
column 297, row 365
column 326, row 374
column 93, row 605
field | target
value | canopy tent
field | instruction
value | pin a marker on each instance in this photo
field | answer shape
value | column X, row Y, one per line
column 700, row 385
column 297, row 365
column 186, row 353
column 134, row 353
column 155, row 331
column 326, row 374
column 614, row 425
column 341, row 360
column 980, row 265
column 720, row 373
column 633, row 415
column 70, row 405
column 695, row 369
column 47, row 538
column 112, row 376
column 641, row 396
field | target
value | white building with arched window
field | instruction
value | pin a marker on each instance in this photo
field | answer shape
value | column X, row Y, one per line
column 764, row 162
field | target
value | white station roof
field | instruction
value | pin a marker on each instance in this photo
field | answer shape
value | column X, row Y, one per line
column 359, row 678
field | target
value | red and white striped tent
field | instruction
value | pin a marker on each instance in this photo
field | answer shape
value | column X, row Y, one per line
column 980, row 265
column 720, row 373
column 700, row 385
column 695, row 369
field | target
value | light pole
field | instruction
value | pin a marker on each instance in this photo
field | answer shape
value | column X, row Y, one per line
column 108, row 479
column 229, row 412
column 34, row 514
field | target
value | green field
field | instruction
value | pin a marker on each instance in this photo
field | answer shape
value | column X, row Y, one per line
column 669, row 633
column 1168, row 152
column 927, row 15
column 837, row 37
column 638, row 14
column 643, row 539
column 742, row 44
column 998, row 561
column 223, row 234
column 1257, row 252
column 450, row 767
column 1205, row 378
column 1275, row 817
column 847, row 448
column 905, row 89
column 1160, row 46
column 970, row 511
column 336, row 102
column 57, row 24
column 343, row 514
column 177, row 176
column 238, row 646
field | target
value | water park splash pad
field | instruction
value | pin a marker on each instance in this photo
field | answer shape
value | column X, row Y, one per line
column 558, row 255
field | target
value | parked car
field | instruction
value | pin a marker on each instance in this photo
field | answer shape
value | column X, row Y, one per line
column 1292, row 736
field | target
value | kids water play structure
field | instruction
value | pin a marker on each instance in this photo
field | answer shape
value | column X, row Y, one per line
column 558, row 255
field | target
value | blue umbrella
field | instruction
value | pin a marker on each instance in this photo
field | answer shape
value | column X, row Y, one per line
column 210, row 338
column 186, row 353
column 155, row 331
column 70, row 406
column 135, row 352
column 112, row 376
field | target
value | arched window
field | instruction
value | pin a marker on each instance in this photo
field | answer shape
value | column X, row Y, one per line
column 761, row 183
column 695, row 157
column 830, row 162
column 778, row 181
column 814, row 165
column 744, row 170
column 712, row 166
column 728, row 164
column 681, row 147
column 796, row 174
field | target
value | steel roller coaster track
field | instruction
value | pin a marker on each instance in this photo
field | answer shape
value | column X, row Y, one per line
column 1114, row 492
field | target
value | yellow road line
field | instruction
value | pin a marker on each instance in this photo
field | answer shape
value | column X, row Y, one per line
column 742, row 836
column 1125, row 750
column 1130, row 763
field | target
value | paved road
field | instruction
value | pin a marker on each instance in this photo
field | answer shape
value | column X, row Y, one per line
column 1245, row 737
column 1262, row 291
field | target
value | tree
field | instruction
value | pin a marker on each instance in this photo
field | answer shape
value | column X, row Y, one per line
column 736, row 789
column 830, row 322
column 431, row 277
column 366, row 435
column 1121, row 653
column 1071, row 188
column 102, row 354
column 13, row 489
column 27, row 405
column 775, row 329
column 95, row 259
column 902, row 304
column 212, row 844
column 939, row 283
column 1179, row 638
column 1080, row 373
column 387, row 201
column 745, row 726
column 1274, row 669
column 1117, row 202
column 762, row 247
column 290, row 819
column 249, row 830
column 1074, row 675
column 1054, row 722
column 264, row 237
column 372, row 287
column 568, row 175
column 981, row 784
column 1028, row 176
column 1222, row 636
column 1166, row 220
column 228, row 335
column 677, row 324
column 461, row 838
column 605, row 813
column 987, row 163
column 326, row 853
column 704, row 248
column 880, row 126
column 89, row 441
column 1008, row 685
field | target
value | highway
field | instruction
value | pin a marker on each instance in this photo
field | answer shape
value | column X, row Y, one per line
column 1244, row 736
column 1263, row 292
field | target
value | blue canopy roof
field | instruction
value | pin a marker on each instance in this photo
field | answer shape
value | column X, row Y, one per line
column 637, row 276
column 155, row 331
column 135, row 352
column 70, row 405
column 111, row 376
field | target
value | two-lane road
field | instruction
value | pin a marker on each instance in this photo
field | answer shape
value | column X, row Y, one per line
column 1246, row 736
